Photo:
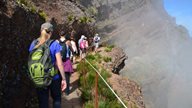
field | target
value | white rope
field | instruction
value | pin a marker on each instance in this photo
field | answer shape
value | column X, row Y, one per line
column 106, row 83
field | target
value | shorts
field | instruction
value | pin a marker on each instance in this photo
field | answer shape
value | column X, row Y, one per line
column 96, row 45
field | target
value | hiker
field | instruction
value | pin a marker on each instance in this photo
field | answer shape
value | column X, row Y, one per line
column 66, row 53
column 83, row 44
column 74, row 47
column 79, row 41
column 57, row 81
column 96, row 40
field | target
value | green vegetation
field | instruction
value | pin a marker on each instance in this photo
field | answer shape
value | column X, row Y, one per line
column 85, row 19
column 43, row 14
column 70, row 18
column 104, row 104
column 93, row 10
column 87, row 84
column 33, row 9
column 98, row 58
column 109, row 48
column 24, row 2
column 29, row 5
column 107, row 59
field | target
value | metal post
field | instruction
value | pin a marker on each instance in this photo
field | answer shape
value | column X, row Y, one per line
column 84, row 73
column 96, row 90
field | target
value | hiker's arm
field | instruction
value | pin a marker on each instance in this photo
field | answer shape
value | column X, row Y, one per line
column 61, row 70
column 70, row 46
column 60, row 65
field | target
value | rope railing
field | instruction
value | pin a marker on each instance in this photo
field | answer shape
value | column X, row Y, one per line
column 106, row 83
column 97, row 72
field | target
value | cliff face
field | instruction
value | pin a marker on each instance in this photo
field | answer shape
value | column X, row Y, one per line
column 129, row 91
column 159, row 51
column 18, row 27
column 65, row 15
column 20, row 22
column 59, row 9
column 111, row 9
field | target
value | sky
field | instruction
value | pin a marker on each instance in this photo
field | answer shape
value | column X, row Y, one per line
column 182, row 11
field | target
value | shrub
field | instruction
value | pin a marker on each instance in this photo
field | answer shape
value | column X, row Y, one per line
column 70, row 18
column 86, row 95
column 107, row 59
column 28, row 5
column 84, row 20
column 43, row 14
column 24, row 2
column 93, row 10
column 104, row 104
column 89, row 104
column 87, row 83
column 33, row 9
column 109, row 48
column 91, row 57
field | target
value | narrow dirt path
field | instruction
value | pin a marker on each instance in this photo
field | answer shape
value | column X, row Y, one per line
column 73, row 100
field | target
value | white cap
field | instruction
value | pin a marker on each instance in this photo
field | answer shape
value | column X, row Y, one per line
column 82, row 36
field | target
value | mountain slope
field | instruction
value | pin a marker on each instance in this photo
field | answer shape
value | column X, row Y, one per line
column 159, row 50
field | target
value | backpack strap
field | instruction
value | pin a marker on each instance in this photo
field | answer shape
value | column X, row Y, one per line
column 47, row 44
column 34, row 43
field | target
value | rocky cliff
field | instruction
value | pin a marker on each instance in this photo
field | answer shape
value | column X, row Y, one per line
column 129, row 91
column 67, row 15
column 159, row 50
column 20, row 23
column 18, row 27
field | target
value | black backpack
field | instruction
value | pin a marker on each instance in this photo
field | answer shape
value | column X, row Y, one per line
column 64, row 49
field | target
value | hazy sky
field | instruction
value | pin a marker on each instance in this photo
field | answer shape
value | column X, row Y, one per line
column 182, row 11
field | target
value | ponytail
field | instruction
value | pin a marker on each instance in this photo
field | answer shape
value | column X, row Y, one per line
column 40, row 42
column 43, row 38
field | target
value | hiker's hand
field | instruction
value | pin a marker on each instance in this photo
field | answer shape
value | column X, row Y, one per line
column 63, row 85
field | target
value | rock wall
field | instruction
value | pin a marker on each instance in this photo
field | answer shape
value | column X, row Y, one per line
column 18, row 27
column 58, row 11
column 129, row 91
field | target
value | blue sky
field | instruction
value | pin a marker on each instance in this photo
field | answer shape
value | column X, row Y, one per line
column 182, row 11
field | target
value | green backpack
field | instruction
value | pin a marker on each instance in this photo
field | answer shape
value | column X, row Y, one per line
column 40, row 67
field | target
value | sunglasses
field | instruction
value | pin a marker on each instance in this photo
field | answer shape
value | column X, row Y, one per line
column 48, row 31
